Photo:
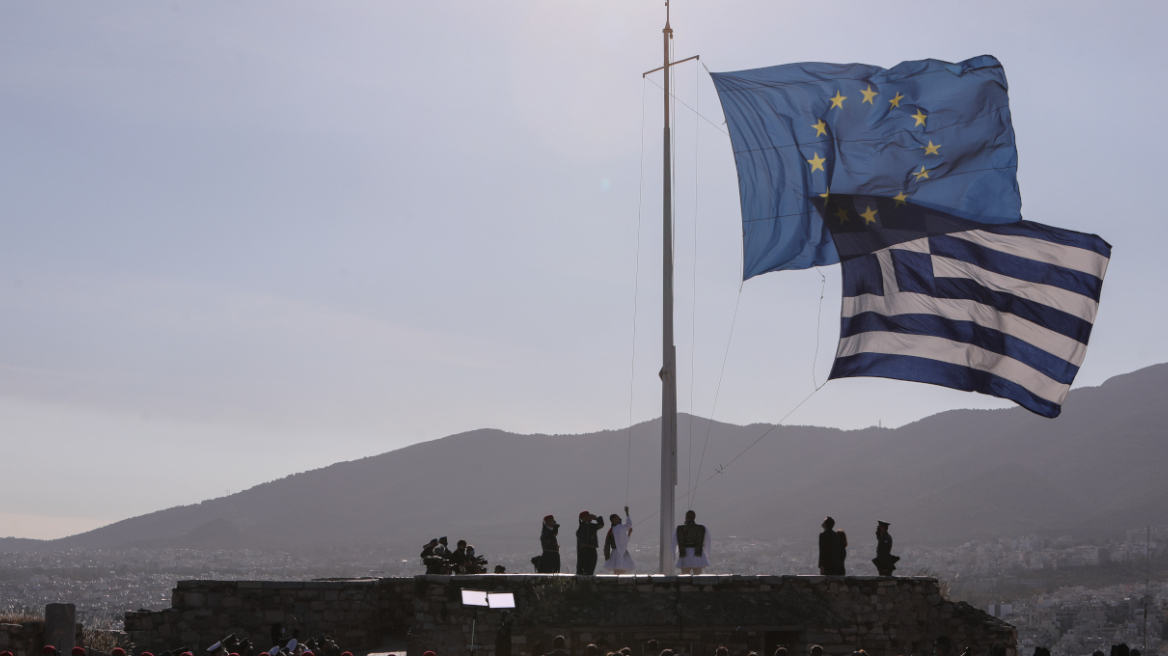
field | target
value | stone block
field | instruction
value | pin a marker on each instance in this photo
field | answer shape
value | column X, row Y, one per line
column 60, row 626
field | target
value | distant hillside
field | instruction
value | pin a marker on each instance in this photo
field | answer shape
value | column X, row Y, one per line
column 948, row 478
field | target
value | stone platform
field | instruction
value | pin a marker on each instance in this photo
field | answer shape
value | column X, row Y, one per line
column 690, row 614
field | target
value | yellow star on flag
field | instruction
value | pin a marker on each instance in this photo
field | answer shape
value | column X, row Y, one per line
column 869, row 216
column 931, row 149
column 843, row 215
column 826, row 193
column 900, row 199
column 896, row 100
column 838, row 101
column 869, row 94
column 820, row 128
column 817, row 163
column 920, row 117
column 922, row 173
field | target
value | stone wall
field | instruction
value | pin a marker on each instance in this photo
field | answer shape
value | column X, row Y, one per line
column 696, row 614
column 690, row 614
column 28, row 638
column 356, row 613
column 22, row 639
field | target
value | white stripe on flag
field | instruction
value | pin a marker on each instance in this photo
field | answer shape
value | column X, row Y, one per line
column 1031, row 248
column 1054, row 343
column 887, row 271
column 916, row 246
column 958, row 353
column 1049, row 295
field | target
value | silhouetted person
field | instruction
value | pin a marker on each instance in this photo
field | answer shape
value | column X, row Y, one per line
column 998, row 649
column 587, row 544
column 1120, row 650
column 499, row 569
column 549, row 560
column 442, row 549
column 651, row 648
column 692, row 542
column 503, row 637
column 591, row 650
column 885, row 562
column 1043, row 651
column 458, row 557
column 816, row 650
column 942, row 646
column 831, row 550
column 721, row 651
column 781, row 651
column 558, row 647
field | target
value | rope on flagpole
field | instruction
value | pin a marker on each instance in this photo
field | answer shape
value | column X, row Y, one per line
column 723, row 468
column 636, row 292
column 818, row 320
column 718, row 389
column 693, row 320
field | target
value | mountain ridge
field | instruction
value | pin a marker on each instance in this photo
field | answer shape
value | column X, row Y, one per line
column 944, row 479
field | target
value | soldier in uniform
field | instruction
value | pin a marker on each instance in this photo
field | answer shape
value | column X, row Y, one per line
column 549, row 560
column 885, row 562
column 831, row 550
column 587, row 544
column 692, row 542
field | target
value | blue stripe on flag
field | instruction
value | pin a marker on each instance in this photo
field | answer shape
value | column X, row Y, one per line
column 914, row 272
column 966, row 332
column 862, row 276
column 1060, row 322
column 923, row 370
column 1016, row 267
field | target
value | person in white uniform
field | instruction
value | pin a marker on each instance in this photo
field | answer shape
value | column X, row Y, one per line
column 616, row 545
column 691, row 541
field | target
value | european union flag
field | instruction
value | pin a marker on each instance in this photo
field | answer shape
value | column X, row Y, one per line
column 934, row 134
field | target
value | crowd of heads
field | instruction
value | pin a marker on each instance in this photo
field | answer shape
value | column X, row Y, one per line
column 942, row 646
column 322, row 645
column 1122, row 649
column 439, row 558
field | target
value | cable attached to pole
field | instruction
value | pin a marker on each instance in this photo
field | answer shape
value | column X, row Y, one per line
column 693, row 322
column 636, row 292
column 718, row 389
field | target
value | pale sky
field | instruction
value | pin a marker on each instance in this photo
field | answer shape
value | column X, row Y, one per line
column 242, row 239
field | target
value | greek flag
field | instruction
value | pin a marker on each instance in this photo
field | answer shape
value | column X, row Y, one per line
column 1004, row 310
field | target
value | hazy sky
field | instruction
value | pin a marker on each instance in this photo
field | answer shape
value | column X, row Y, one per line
column 243, row 239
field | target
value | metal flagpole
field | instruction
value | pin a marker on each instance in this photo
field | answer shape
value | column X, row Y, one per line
column 669, row 352
column 669, row 355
